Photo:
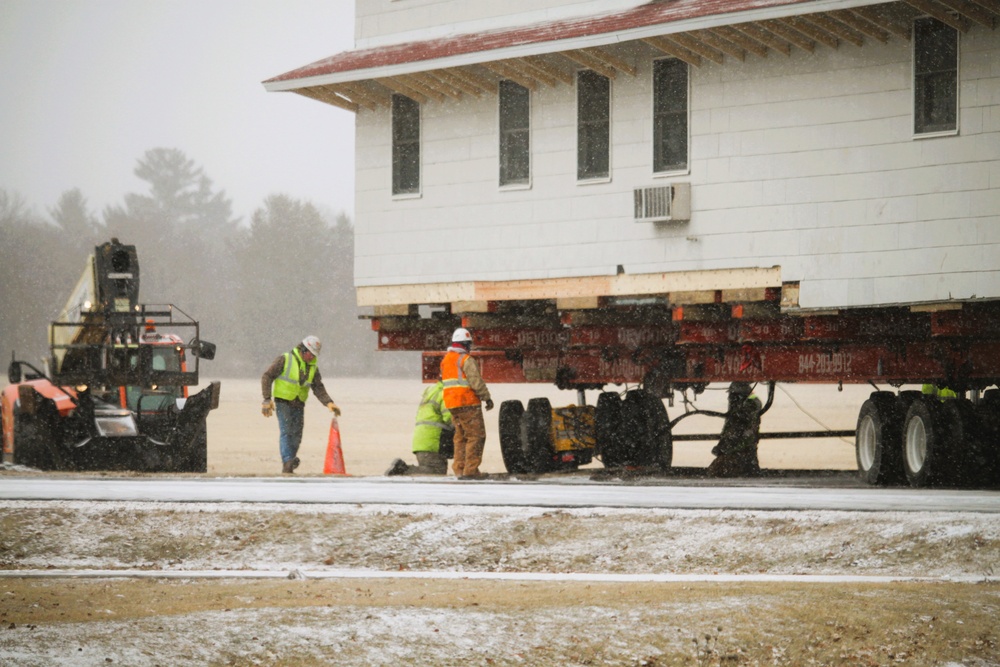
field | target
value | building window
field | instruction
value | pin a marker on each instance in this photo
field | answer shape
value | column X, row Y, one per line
column 593, row 125
column 670, row 115
column 935, row 77
column 515, row 161
column 405, row 145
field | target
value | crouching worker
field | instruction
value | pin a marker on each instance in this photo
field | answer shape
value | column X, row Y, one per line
column 736, row 453
column 433, row 436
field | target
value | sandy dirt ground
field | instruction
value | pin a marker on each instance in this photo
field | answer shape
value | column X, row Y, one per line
column 378, row 415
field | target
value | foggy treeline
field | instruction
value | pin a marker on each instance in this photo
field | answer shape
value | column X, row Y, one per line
column 257, row 289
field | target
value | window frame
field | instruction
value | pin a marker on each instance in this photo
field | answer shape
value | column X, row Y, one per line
column 504, row 135
column 582, row 177
column 917, row 89
column 397, row 186
column 671, row 170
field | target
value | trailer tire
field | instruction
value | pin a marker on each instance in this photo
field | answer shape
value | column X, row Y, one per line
column 932, row 432
column 879, row 440
column 972, row 458
column 537, row 429
column 511, row 442
column 608, row 422
column 646, row 431
column 659, row 439
column 988, row 412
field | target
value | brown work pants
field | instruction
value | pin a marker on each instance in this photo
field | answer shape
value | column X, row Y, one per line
column 470, row 439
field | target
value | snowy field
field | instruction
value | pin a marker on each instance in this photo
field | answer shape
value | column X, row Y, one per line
column 185, row 584
column 95, row 583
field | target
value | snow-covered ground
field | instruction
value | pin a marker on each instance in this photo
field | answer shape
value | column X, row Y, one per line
column 451, row 585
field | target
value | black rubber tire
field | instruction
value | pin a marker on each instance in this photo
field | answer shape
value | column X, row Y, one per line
column 932, row 435
column 988, row 413
column 878, row 442
column 537, row 433
column 511, row 444
column 642, row 429
column 659, row 439
column 608, row 423
column 972, row 464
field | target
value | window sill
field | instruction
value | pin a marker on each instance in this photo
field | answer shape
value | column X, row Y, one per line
column 672, row 174
column 407, row 195
column 932, row 135
column 514, row 187
column 593, row 181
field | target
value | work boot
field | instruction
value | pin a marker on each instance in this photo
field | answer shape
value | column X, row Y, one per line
column 398, row 467
column 288, row 467
column 295, row 463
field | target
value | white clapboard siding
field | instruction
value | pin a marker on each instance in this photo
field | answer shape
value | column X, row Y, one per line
column 805, row 162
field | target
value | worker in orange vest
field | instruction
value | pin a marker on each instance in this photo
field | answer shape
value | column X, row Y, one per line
column 464, row 394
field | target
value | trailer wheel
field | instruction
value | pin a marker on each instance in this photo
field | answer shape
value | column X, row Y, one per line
column 646, row 430
column 511, row 443
column 988, row 413
column 929, row 443
column 537, row 429
column 879, row 440
column 971, row 455
column 659, row 439
column 608, row 423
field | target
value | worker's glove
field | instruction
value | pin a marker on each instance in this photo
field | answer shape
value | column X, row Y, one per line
column 267, row 408
column 333, row 408
column 489, row 404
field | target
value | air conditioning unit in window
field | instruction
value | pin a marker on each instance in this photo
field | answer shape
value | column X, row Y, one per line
column 664, row 203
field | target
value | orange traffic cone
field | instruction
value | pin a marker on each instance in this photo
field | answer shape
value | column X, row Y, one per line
column 334, row 464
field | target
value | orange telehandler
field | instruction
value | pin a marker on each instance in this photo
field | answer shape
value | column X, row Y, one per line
column 114, row 393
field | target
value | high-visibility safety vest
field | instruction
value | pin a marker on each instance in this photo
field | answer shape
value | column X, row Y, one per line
column 432, row 419
column 457, row 392
column 942, row 393
column 292, row 384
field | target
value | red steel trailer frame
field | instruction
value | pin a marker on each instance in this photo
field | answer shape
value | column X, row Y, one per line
column 662, row 347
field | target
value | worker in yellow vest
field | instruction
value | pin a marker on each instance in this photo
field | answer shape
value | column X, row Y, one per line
column 292, row 375
column 943, row 393
column 464, row 394
column 433, row 436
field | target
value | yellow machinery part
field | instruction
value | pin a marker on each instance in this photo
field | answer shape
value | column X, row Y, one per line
column 573, row 428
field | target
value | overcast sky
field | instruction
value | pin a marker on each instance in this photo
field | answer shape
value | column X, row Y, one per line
column 90, row 85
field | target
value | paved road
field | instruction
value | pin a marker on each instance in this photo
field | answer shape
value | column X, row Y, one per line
column 568, row 492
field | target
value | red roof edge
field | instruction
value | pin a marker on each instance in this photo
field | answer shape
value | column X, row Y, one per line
column 652, row 13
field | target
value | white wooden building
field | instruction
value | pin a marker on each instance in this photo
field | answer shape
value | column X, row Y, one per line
column 572, row 148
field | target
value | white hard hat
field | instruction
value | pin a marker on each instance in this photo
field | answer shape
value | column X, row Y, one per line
column 312, row 344
column 461, row 336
